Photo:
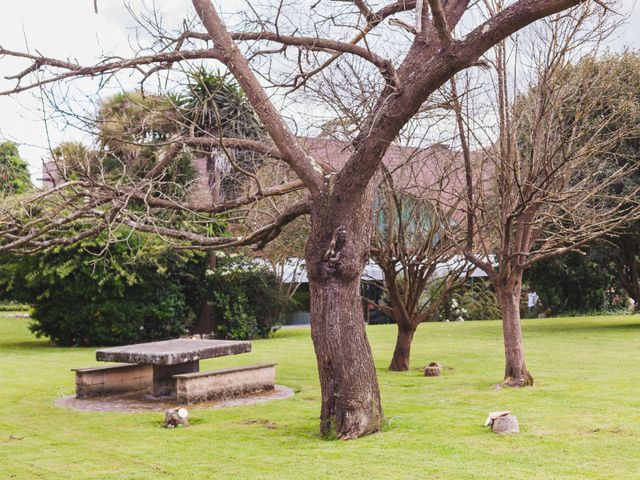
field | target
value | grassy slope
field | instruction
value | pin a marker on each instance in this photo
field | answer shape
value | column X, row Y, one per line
column 581, row 420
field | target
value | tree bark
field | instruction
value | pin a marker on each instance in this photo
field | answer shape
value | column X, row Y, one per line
column 350, row 395
column 206, row 323
column 402, row 352
column 515, row 373
column 336, row 254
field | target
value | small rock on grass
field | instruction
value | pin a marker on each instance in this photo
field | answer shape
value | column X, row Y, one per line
column 507, row 424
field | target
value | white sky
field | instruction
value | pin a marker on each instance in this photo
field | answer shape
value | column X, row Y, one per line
column 69, row 28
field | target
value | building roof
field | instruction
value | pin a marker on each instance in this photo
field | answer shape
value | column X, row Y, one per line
column 424, row 172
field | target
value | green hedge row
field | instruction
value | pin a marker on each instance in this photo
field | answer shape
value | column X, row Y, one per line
column 136, row 290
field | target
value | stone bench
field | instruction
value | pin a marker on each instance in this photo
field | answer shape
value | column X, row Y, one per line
column 225, row 383
column 96, row 381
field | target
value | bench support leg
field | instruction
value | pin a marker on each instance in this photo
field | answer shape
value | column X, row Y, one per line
column 96, row 381
column 163, row 383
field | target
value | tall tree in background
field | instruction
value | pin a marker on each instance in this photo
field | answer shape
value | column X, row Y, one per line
column 551, row 178
column 573, row 283
column 216, row 106
column 619, row 253
column 413, row 60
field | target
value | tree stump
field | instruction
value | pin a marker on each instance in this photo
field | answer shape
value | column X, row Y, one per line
column 505, row 425
column 433, row 370
column 176, row 417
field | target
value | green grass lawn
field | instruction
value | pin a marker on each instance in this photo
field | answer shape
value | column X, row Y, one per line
column 580, row 420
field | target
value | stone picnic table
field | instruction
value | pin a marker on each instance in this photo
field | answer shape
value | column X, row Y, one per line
column 172, row 357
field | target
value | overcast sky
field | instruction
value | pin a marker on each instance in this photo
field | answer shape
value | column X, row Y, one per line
column 66, row 28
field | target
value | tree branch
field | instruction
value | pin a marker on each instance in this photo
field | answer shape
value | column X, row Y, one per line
column 440, row 23
column 308, row 170
column 76, row 71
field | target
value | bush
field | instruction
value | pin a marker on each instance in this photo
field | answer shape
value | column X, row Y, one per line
column 245, row 297
column 572, row 283
column 138, row 291
column 11, row 306
column 476, row 301
column 480, row 302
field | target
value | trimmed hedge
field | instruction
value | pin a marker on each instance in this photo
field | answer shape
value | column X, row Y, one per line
column 138, row 291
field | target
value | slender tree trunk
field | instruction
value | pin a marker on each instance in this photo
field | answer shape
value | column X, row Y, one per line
column 634, row 278
column 336, row 254
column 206, row 323
column 402, row 352
column 515, row 373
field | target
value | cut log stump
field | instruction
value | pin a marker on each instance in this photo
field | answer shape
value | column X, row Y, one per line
column 176, row 417
column 433, row 370
column 507, row 424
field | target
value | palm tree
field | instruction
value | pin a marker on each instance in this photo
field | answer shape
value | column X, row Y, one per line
column 215, row 106
column 128, row 123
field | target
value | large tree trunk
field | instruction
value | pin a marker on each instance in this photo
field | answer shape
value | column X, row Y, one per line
column 402, row 352
column 515, row 373
column 350, row 395
column 336, row 253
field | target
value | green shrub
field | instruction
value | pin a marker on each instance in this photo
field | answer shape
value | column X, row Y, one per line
column 14, row 172
column 476, row 301
column 573, row 283
column 480, row 302
column 245, row 298
column 139, row 290
column 12, row 306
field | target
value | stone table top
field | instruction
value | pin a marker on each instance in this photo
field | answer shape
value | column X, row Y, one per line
column 172, row 352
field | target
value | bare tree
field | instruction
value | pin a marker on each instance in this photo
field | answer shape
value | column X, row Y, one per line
column 428, row 52
column 546, row 182
column 285, row 253
column 417, row 241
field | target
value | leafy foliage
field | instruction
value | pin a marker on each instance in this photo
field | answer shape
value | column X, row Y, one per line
column 479, row 302
column 572, row 282
column 129, row 123
column 475, row 301
column 14, row 174
column 139, row 290
column 619, row 254
column 215, row 104
column 578, row 283
column 11, row 306
column 246, row 300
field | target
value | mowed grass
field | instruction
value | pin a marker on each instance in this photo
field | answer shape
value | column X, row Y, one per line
column 580, row 420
